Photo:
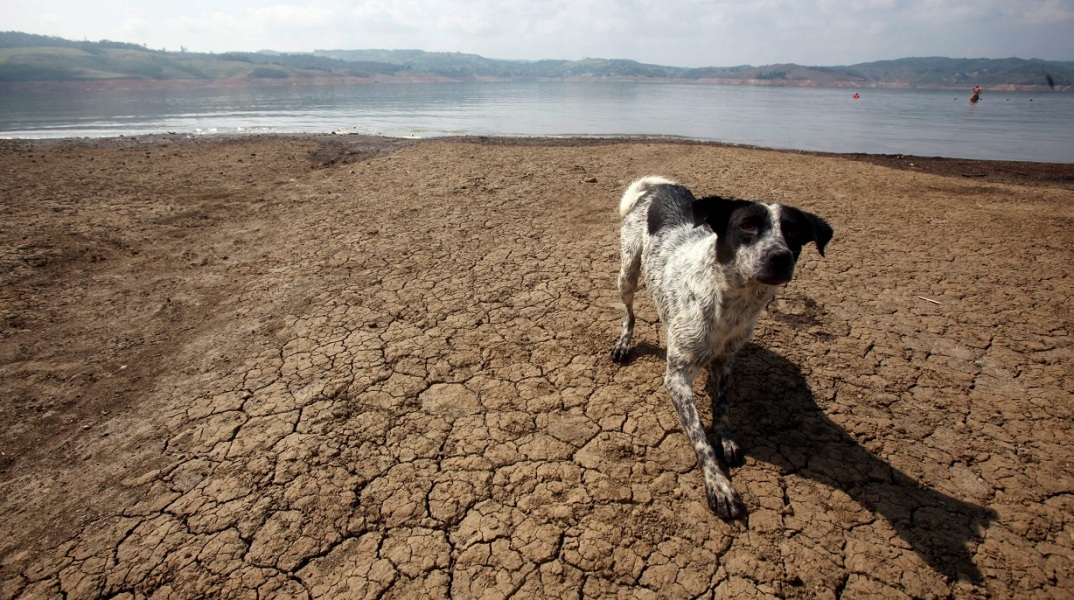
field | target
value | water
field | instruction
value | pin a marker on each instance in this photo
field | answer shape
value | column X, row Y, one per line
column 1003, row 126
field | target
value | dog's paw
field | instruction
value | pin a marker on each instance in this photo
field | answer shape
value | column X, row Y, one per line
column 620, row 353
column 729, row 451
column 728, row 506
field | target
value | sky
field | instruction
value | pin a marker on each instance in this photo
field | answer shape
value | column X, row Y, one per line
column 683, row 33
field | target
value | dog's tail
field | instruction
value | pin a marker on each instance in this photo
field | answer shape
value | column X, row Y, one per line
column 637, row 189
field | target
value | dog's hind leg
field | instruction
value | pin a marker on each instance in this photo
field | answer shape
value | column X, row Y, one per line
column 628, row 284
column 718, row 386
column 723, row 499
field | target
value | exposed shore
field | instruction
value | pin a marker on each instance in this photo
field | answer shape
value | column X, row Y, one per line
column 336, row 366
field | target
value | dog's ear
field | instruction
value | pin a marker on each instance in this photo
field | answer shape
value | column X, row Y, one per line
column 713, row 211
column 806, row 227
column 822, row 231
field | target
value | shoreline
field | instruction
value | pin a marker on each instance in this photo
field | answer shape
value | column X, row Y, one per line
column 335, row 148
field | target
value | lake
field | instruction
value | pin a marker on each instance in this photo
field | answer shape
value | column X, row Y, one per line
column 1023, row 126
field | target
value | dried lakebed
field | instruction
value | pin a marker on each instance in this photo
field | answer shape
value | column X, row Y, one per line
column 337, row 366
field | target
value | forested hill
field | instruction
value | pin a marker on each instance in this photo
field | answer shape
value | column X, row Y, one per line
column 34, row 58
column 906, row 72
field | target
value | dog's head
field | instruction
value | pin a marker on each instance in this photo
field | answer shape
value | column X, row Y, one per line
column 760, row 241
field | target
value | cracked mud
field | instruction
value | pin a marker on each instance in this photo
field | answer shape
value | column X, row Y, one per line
column 327, row 367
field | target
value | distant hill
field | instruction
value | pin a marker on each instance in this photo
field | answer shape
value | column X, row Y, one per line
column 906, row 72
column 27, row 57
column 35, row 58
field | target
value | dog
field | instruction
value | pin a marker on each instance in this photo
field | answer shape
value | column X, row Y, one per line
column 710, row 265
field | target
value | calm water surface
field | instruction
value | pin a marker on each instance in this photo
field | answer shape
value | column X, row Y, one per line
column 1003, row 126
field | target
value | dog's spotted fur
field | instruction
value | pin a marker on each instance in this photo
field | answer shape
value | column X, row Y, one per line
column 710, row 265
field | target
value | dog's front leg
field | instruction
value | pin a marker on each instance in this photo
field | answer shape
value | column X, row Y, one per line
column 723, row 499
column 718, row 386
column 628, row 284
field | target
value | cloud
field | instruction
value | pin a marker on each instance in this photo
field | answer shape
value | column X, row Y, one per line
column 683, row 33
column 1049, row 12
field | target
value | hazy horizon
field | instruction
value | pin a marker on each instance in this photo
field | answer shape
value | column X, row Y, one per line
column 695, row 33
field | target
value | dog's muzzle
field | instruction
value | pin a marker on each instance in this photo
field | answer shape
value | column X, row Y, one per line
column 777, row 267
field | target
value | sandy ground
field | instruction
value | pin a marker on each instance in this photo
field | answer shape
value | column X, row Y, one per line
column 349, row 367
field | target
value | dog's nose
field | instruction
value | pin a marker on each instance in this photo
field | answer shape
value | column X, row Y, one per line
column 778, row 267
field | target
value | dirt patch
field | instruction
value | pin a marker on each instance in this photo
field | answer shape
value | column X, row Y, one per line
column 346, row 366
column 990, row 171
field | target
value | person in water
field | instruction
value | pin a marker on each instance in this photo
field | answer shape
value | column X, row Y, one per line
column 976, row 94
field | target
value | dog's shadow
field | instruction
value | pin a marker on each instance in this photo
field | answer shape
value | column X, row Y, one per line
column 779, row 422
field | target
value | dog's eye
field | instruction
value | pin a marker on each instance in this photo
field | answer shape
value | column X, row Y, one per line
column 748, row 228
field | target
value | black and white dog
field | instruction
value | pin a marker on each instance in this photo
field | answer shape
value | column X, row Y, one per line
column 710, row 265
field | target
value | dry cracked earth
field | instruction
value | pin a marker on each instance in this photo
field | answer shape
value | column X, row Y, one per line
column 350, row 367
